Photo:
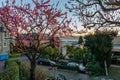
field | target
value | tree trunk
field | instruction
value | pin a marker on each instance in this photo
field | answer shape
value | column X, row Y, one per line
column 32, row 70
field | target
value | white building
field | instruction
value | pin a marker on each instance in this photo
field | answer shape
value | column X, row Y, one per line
column 67, row 41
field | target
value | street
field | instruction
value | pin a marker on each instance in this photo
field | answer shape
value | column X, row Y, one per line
column 68, row 74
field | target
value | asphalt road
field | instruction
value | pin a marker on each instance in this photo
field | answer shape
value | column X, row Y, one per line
column 68, row 74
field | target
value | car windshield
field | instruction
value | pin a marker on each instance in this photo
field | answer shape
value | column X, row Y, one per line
column 72, row 64
column 44, row 59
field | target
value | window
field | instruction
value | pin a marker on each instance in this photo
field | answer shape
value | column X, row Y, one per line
column 5, row 34
column 5, row 44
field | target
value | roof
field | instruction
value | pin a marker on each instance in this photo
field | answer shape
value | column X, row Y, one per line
column 116, row 50
column 69, row 38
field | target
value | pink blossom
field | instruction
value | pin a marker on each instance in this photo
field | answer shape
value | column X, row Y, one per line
column 25, row 42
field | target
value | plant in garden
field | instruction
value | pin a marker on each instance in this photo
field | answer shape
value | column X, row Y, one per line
column 70, row 51
column 96, row 13
column 82, row 54
column 100, row 45
column 56, row 53
column 11, row 72
column 41, row 74
column 93, row 67
column 32, row 25
column 49, row 52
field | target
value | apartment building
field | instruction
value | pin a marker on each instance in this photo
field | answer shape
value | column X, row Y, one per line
column 4, row 44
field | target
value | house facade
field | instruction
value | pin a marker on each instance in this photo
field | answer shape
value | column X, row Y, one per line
column 67, row 41
column 4, row 45
column 116, row 44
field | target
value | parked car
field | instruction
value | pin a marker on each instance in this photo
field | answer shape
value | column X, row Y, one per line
column 63, row 61
column 72, row 64
column 45, row 61
column 80, row 66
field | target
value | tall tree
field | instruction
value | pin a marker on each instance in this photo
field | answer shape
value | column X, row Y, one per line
column 82, row 54
column 96, row 13
column 80, row 40
column 32, row 25
column 100, row 45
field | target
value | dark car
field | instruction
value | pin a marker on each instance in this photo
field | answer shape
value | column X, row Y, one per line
column 80, row 66
column 45, row 61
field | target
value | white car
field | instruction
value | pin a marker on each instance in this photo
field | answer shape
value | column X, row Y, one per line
column 82, row 67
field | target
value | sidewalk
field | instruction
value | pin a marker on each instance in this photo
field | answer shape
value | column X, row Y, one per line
column 101, row 78
column 115, row 66
column 1, row 66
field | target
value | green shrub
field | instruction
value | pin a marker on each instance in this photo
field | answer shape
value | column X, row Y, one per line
column 100, row 45
column 15, row 55
column 11, row 72
column 95, row 68
column 40, row 74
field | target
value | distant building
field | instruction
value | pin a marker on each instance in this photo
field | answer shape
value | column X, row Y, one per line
column 67, row 41
column 116, row 45
column 4, row 44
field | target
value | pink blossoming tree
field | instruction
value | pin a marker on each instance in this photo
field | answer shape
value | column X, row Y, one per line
column 33, row 26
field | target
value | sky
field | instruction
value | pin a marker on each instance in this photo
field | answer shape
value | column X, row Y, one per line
column 61, row 6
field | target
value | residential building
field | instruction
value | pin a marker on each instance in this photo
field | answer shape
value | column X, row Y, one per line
column 4, row 44
column 116, row 46
column 67, row 41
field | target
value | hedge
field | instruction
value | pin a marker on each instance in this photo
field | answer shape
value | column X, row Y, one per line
column 14, row 55
column 11, row 72
column 40, row 73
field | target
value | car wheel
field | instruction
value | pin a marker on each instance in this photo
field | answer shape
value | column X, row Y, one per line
column 41, row 63
column 79, row 71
